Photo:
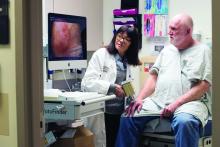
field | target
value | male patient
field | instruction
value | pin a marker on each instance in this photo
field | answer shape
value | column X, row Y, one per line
column 179, row 86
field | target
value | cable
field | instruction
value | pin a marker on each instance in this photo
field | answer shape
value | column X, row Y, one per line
column 66, row 81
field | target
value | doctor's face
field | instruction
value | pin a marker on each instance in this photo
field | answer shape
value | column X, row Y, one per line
column 122, row 42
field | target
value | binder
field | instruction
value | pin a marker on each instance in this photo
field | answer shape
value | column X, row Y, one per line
column 120, row 12
column 118, row 22
column 128, row 88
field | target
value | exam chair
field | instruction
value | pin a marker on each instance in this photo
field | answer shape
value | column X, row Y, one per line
column 166, row 139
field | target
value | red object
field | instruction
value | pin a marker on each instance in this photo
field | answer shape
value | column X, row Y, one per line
column 146, row 69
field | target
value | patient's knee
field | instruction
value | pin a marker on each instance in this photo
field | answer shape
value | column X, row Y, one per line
column 186, row 122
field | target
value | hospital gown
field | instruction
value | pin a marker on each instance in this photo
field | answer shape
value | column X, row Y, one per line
column 177, row 72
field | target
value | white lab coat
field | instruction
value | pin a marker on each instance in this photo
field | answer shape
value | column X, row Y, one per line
column 100, row 73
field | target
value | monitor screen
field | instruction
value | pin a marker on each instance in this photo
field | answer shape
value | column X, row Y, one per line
column 67, row 47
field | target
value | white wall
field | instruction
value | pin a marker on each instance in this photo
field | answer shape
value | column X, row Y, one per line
column 92, row 10
column 200, row 10
column 8, row 95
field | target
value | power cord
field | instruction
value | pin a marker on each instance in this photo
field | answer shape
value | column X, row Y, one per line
column 66, row 80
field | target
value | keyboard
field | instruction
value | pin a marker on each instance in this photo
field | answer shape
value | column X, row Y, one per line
column 77, row 95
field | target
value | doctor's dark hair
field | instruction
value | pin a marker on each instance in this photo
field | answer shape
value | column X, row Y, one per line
column 131, row 55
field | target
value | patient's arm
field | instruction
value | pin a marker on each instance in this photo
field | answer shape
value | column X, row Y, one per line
column 195, row 93
column 149, row 87
column 146, row 91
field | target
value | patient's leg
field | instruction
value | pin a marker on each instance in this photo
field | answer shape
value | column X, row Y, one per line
column 186, row 129
column 130, row 130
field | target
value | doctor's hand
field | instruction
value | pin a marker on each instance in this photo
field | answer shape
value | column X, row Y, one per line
column 119, row 92
column 135, row 105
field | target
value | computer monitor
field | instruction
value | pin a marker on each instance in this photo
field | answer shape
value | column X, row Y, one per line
column 67, row 45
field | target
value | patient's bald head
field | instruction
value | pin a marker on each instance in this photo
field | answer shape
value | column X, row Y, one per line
column 184, row 19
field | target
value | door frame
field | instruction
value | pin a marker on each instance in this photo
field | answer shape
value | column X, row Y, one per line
column 29, row 72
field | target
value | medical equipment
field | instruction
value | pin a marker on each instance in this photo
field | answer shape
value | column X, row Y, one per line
column 70, row 106
column 71, row 53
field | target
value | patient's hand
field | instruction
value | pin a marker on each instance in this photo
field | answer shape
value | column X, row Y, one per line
column 135, row 105
column 169, row 110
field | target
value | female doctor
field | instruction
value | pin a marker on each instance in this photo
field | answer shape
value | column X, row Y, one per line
column 107, row 68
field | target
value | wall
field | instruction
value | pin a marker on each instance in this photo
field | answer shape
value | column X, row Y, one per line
column 93, row 13
column 8, row 117
column 201, row 12
column 202, row 21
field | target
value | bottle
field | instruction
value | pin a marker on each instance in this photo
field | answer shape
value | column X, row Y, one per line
column 49, row 79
